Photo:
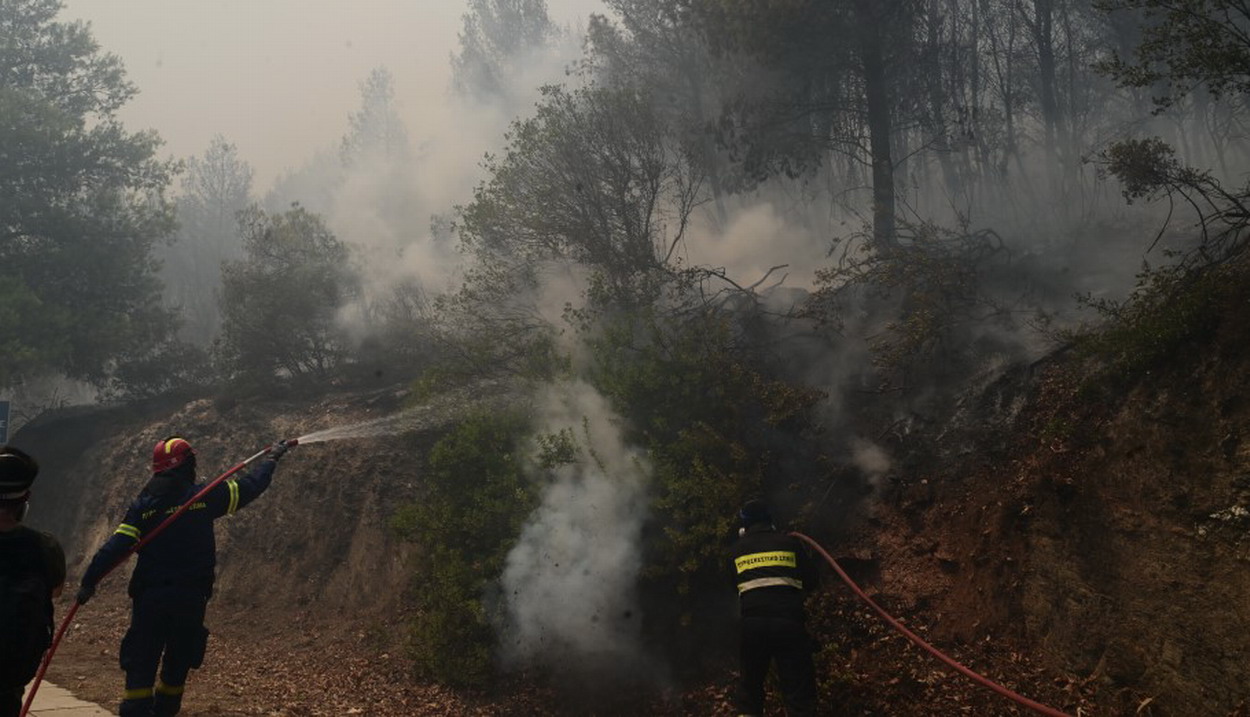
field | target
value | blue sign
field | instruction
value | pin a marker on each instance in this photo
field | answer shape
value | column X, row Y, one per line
column 4, row 421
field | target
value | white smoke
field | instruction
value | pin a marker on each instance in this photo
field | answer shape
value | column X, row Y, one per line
column 570, row 582
column 757, row 238
column 871, row 459
column 383, row 209
column 385, row 204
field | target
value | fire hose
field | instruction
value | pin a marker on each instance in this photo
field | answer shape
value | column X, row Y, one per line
column 69, row 616
column 919, row 641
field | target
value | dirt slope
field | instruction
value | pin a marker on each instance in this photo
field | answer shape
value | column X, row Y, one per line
column 1104, row 536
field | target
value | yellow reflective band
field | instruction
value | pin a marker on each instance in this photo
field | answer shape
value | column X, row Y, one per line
column 768, row 583
column 164, row 689
column 169, row 445
column 198, row 505
column 780, row 558
column 138, row 693
column 234, row 497
column 129, row 531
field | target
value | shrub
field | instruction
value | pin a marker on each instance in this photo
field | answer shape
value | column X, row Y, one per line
column 1172, row 309
column 716, row 426
column 921, row 306
column 477, row 497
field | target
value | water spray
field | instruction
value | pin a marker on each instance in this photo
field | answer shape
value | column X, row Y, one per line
column 486, row 394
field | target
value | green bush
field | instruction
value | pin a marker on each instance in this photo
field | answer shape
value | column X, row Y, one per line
column 477, row 498
column 921, row 306
column 716, row 427
column 451, row 639
column 1173, row 309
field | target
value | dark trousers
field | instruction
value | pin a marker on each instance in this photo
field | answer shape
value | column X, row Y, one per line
column 17, row 672
column 11, row 700
column 769, row 639
column 166, row 633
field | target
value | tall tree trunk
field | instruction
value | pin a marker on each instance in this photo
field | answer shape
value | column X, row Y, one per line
column 880, row 126
column 1044, row 38
column 1074, row 124
column 983, row 160
column 942, row 123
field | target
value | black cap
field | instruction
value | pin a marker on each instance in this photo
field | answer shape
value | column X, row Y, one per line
column 17, row 473
column 754, row 511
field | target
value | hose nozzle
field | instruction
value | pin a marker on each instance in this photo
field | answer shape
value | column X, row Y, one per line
column 278, row 449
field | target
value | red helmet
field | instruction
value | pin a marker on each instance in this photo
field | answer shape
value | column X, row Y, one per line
column 171, row 453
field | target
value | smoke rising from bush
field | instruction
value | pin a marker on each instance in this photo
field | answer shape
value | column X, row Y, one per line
column 871, row 459
column 569, row 584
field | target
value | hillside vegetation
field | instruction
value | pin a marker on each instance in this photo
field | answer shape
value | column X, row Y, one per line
column 1075, row 528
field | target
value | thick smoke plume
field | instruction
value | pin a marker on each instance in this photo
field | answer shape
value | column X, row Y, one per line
column 569, row 584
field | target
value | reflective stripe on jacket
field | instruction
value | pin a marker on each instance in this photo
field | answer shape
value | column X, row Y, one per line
column 185, row 553
column 772, row 570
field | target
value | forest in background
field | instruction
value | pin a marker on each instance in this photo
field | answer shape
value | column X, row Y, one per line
column 734, row 248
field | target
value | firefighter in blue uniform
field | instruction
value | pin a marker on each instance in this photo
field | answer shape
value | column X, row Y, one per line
column 774, row 573
column 173, row 578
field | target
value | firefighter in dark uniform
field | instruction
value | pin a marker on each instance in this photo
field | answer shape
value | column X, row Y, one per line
column 773, row 571
column 173, row 578
column 32, row 573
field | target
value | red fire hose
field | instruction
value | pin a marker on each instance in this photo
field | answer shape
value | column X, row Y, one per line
column 69, row 616
column 984, row 681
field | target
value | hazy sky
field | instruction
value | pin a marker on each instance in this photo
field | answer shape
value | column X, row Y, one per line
column 277, row 77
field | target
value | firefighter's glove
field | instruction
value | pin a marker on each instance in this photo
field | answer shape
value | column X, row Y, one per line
column 85, row 591
column 278, row 450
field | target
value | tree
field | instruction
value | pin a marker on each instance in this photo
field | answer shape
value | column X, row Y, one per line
column 591, row 178
column 81, row 205
column 1149, row 170
column 280, row 303
column 376, row 131
column 1184, row 44
column 375, row 186
column 837, row 68
column 590, row 188
column 498, row 37
column 374, row 152
column 1186, row 47
column 655, row 47
column 215, row 188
